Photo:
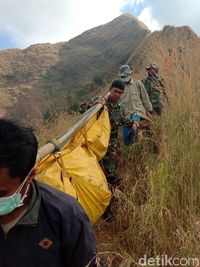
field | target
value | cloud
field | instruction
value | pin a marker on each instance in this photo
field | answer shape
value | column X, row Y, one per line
column 158, row 13
column 35, row 21
column 175, row 12
column 25, row 22
column 142, row 11
column 146, row 17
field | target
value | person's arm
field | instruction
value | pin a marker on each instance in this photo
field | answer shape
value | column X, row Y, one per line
column 148, row 87
column 144, row 97
column 94, row 101
column 125, row 119
column 163, row 86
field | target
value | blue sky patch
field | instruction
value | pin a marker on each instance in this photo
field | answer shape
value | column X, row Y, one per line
column 6, row 41
column 134, row 9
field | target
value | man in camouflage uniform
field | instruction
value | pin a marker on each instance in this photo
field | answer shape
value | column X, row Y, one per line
column 155, row 87
column 135, row 100
column 117, row 118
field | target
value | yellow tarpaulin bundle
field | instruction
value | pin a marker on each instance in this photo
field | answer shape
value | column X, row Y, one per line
column 75, row 169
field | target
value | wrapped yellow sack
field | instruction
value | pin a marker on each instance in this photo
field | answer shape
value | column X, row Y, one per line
column 95, row 134
column 75, row 169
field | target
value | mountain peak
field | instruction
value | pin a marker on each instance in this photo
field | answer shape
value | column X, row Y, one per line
column 181, row 30
column 65, row 72
column 128, row 17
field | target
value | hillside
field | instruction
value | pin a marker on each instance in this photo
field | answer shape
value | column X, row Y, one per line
column 177, row 52
column 156, row 213
column 38, row 82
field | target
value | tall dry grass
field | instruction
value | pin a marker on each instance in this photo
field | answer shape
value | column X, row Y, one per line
column 158, row 210
column 48, row 131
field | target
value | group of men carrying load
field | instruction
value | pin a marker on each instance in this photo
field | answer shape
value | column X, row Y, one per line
column 41, row 226
column 129, row 102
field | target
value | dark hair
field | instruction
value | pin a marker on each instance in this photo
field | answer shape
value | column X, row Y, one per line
column 118, row 84
column 18, row 148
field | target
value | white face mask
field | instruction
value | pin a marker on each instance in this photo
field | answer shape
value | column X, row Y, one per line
column 10, row 203
column 126, row 79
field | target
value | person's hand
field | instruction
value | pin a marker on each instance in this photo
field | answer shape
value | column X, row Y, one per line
column 99, row 101
column 135, row 125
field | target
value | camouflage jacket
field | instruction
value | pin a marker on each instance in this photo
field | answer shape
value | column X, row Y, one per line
column 117, row 117
column 155, row 88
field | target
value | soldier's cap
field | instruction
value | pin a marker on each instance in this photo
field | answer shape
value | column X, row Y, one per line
column 152, row 65
column 124, row 71
column 118, row 84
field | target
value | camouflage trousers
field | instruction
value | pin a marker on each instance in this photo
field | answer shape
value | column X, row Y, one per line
column 110, row 162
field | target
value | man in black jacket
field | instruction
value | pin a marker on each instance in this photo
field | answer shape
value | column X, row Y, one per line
column 39, row 226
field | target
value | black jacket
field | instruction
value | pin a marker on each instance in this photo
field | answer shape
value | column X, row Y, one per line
column 54, row 232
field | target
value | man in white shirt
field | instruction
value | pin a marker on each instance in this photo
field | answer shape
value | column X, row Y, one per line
column 135, row 100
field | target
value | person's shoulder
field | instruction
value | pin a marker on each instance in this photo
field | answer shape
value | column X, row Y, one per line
column 148, row 78
column 58, row 202
column 120, row 105
column 131, row 85
column 139, row 83
column 147, row 81
column 132, row 81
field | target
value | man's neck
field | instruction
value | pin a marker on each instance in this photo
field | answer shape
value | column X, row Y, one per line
column 112, row 102
column 127, row 83
column 152, row 76
column 5, row 219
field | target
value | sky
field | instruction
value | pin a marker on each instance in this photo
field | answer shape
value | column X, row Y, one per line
column 27, row 22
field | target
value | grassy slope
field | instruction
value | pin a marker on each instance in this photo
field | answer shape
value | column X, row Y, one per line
column 158, row 211
column 158, row 214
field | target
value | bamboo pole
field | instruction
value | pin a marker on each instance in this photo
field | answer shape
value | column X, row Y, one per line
column 57, row 143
